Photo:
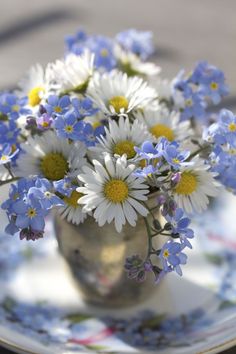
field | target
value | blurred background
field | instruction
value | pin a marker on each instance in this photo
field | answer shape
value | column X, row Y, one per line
column 185, row 31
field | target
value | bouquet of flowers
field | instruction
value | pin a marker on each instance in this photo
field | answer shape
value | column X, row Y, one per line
column 99, row 132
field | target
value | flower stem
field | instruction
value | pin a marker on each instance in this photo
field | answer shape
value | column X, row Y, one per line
column 13, row 179
column 8, row 168
column 201, row 149
column 149, row 237
column 150, row 210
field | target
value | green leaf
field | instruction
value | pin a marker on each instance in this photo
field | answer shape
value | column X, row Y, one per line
column 77, row 317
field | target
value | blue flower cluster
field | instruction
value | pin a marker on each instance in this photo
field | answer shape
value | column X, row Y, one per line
column 30, row 200
column 137, row 42
column 172, row 257
column 168, row 154
column 180, row 227
column 101, row 46
column 12, row 106
column 7, row 154
column 65, row 115
column 193, row 93
column 171, row 254
column 222, row 136
column 164, row 156
column 9, row 132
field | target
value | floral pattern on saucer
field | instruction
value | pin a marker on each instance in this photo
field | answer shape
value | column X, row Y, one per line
column 146, row 330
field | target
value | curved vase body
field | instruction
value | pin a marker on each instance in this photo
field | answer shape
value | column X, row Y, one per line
column 96, row 257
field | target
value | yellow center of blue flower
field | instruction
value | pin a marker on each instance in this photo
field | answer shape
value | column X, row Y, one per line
column 166, row 253
column 31, row 213
column 232, row 127
column 175, row 160
column 15, row 108
column 54, row 166
column 34, row 96
column 45, row 124
column 58, row 109
column 187, row 184
column 214, row 86
column 232, row 151
column 160, row 130
column 188, row 102
column 118, row 103
column 104, row 52
column 124, row 147
column 73, row 199
column 116, row 190
column 69, row 129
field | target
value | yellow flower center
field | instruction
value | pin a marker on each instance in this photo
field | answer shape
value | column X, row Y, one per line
column 116, row 190
column 45, row 124
column 96, row 124
column 166, row 254
column 175, row 160
column 118, row 103
column 125, row 147
column 104, row 52
column 73, row 199
column 34, row 96
column 214, row 86
column 58, row 109
column 159, row 130
column 16, row 108
column 232, row 127
column 54, row 166
column 232, row 151
column 69, row 128
column 31, row 213
column 188, row 102
column 187, row 184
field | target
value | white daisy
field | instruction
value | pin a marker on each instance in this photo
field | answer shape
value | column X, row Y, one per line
column 36, row 84
column 113, row 191
column 116, row 93
column 195, row 186
column 50, row 157
column 161, row 123
column 72, row 211
column 121, row 137
column 131, row 64
column 73, row 72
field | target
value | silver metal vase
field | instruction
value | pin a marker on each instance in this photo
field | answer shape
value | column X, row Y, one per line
column 96, row 257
